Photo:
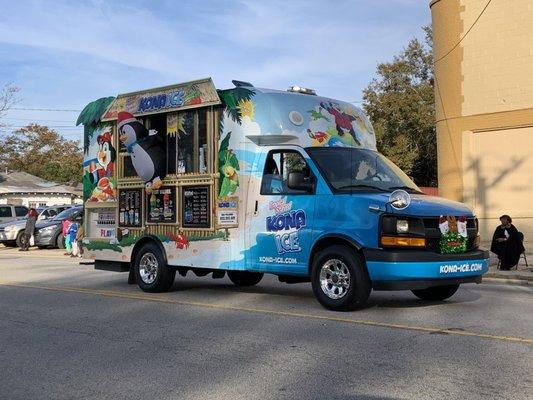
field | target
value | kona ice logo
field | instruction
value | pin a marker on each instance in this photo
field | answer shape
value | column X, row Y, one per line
column 285, row 223
column 175, row 99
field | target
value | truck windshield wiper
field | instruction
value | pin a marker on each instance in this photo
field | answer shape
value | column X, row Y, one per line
column 406, row 188
column 362, row 186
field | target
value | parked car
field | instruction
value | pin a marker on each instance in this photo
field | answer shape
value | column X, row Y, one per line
column 10, row 213
column 48, row 232
column 12, row 233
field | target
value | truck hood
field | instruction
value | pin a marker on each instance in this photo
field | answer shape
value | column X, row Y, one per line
column 16, row 222
column 424, row 206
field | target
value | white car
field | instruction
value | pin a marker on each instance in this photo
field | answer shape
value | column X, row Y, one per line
column 10, row 213
column 12, row 233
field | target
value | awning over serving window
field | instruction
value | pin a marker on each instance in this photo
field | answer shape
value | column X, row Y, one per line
column 182, row 96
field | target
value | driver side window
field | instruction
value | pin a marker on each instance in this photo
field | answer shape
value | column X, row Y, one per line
column 278, row 165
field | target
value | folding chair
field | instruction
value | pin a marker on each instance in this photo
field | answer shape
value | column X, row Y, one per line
column 521, row 237
column 523, row 255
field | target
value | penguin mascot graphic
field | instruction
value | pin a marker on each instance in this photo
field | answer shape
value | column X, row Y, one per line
column 106, row 157
column 148, row 155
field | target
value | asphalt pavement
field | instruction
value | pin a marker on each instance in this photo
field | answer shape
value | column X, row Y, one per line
column 70, row 332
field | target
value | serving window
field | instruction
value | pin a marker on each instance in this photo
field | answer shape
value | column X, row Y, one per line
column 188, row 138
column 189, row 192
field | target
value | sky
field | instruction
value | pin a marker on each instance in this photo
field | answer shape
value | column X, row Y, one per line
column 64, row 54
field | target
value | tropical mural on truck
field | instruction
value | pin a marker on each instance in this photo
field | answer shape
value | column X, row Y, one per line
column 237, row 104
column 99, row 180
column 246, row 112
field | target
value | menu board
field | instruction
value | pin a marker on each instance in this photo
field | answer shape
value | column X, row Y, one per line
column 196, row 207
column 101, row 223
column 130, row 207
column 161, row 205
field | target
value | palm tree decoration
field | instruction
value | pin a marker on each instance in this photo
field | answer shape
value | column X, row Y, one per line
column 228, row 165
column 232, row 98
column 90, row 118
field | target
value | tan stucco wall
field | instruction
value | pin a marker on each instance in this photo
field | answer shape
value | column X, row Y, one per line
column 484, row 106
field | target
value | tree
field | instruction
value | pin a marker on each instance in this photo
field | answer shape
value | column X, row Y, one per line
column 400, row 102
column 41, row 151
column 8, row 97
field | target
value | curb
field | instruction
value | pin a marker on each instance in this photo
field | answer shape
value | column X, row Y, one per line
column 495, row 279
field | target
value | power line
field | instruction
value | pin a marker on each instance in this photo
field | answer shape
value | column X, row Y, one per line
column 37, row 119
column 49, row 126
column 467, row 32
column 42, row 109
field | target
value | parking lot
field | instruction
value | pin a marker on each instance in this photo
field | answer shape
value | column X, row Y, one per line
column 68, row 331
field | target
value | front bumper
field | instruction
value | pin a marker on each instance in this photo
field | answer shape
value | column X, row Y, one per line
column 8, row 236
column 44, row 239
column 406, row 269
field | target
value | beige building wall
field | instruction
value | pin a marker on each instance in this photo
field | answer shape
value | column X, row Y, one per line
column 484, row 107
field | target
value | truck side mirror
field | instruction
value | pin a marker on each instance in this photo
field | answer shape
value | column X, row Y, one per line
column 297, row 181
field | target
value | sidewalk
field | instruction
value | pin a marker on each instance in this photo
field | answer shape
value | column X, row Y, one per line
column 522, row 275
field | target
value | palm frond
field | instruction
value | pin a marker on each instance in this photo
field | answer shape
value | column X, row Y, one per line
column 231, row 98
column 93, row 111
column 90, row 118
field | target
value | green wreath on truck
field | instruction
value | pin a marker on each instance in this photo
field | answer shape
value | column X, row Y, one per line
column 452, row 243
column 454, row 235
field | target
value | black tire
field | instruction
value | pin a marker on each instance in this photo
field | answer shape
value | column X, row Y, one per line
column 436, row 293
column 245, row 278
column 20, row 239
column 341, row 291
column 60, row 241
column 151, row 270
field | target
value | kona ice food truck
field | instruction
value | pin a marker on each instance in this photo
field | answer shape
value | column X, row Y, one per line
column 247, row 181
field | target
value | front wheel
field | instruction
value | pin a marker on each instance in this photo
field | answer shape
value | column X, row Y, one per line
column 339, row 278
column 244, row 278
column 436, row 293
column 60, row 241
column 151, row 270
column 21, row 239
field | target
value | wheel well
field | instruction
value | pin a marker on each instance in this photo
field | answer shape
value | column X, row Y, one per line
column 147, row 239
column 327, row 241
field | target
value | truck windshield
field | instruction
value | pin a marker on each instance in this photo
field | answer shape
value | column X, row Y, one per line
column 351, row 169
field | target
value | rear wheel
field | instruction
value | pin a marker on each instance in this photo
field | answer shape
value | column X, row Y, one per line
column 339, row 278
column 151, row 270
column 436, row 293
column 244, row 278
column 21, row 238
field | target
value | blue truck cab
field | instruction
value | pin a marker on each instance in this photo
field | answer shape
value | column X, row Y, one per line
column 279, row 182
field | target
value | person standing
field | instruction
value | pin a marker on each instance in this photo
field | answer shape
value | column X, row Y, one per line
column 29, row 230
column 77, row 249
column 72, row 232
column 65, row 225
column 507, row 243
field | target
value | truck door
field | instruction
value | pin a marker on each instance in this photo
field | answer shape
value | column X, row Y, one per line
column 281, row 224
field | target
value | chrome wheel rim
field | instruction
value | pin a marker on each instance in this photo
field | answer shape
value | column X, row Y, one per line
column 335, row 279
column 148, row 268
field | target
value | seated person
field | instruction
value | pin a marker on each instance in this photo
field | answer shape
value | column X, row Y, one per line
column 272, row 180
column 507, row 243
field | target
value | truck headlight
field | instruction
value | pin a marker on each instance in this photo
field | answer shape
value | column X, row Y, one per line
column 10, row 228
column 402, row 226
